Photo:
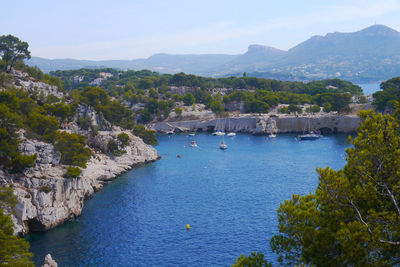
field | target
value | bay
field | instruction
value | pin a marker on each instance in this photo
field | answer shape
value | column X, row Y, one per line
column 229, row 198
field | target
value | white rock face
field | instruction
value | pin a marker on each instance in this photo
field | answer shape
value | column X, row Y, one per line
column 47, row 199
column 22, row 80
column 49, row 262
column 264, row 124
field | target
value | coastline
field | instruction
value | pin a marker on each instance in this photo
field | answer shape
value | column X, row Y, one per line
column 263, row 124
column 47, row 199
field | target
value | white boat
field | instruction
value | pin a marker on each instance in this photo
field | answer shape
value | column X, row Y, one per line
column 310, row 136
column 170, row 132
column 231, row 134
column 192, row 134
column 272, row 133
column 193, row 144
column 218, row 133
column 223, row 146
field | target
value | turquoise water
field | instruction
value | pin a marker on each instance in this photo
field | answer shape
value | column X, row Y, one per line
column 229, row 198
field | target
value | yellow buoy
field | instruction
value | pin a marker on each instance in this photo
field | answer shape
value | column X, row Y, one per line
column 187, row 226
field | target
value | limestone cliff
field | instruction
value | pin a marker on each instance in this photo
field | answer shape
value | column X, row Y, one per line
column 47, row 199
column 264, row 124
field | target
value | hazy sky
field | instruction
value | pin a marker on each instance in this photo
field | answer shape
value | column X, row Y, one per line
column 128, row 29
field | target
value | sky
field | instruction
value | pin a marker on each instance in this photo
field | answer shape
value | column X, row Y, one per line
column 130, row 29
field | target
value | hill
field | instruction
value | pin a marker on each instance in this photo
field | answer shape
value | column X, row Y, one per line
column 363, row 56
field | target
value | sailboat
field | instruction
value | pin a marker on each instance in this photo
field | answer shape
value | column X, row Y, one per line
column 229, row 127
column 223, row 146
column 218, row 132
column 310, row 135
column 271, row 133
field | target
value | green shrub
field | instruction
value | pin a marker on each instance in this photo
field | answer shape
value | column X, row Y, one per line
column 253, row 260
column 148, row 136
column 72, row 149
column 73, row 172
column 45, row 188
column 123, row 138
column 84, row 122
column 178, row 111
column 21, row 161
column 114, row 148
column 313, row 109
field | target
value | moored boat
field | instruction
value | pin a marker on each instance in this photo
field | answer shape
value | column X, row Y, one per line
column 193, row 144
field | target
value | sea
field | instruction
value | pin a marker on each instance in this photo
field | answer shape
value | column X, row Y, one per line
column 229, row 198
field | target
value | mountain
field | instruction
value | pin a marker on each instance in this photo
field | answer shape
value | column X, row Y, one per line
column 164, row 63
column 371, row 54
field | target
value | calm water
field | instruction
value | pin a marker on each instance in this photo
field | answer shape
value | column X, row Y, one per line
column 228, row 197
column 370, row 88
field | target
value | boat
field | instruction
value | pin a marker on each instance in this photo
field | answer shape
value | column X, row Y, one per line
column 193, row 144
column 218, row 133
column 310, row 136
column 231, row 134
column 223, row 146
column 192, row 134
column 270, row 128
column 170, row 132
column 217, row 126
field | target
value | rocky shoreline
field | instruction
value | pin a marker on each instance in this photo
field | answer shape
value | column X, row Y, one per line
column 264, row 124
column 47, row 199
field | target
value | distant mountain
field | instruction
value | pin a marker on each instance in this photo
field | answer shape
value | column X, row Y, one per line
column 371, row 54
column 164, row 63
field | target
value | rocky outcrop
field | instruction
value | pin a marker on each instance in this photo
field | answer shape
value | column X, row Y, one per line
column 96, row 119
column 265, row 124
column 47, row 198
column 22, row 80
column 49, row 262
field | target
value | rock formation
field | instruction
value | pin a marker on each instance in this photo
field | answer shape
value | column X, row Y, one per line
column 47, row 199
column 49, row 262
column 263, row 124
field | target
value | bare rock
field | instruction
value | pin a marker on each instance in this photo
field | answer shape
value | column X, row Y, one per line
column 49, row 262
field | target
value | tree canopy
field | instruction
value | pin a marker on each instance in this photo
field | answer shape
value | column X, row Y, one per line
column 14, row 251
column 353, row 217
column 13, row 49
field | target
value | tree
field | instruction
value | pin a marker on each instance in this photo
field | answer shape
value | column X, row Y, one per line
column 253, row 260
column 13, row 49
column 353, row 218
column 72, row 149
column 148, row 136
column 189, row 99
column 14, row 251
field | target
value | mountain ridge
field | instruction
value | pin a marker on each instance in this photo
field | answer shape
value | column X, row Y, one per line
column 370, row 54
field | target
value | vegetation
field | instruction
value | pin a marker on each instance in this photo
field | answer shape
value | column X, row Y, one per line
column 353, row 217
column 72, row 148
column 14, row 251
column 147, row 135
column 45, row 188
column 113, row 111
column 123, row 138
column 157, row 92
column 13, row 49
column 72, row 172
column 253, row 260
column 385, row 99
